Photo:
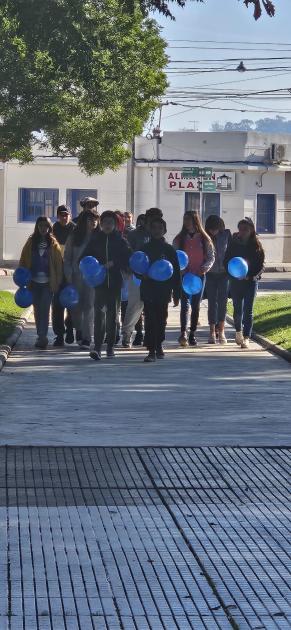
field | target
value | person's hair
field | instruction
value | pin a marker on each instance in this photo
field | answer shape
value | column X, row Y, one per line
column 63, row 208
column 141, row 217
column 160, row 221
column 153, row 212
column 128, row 213
column 197, row 225
column 119, row 213
column 212, row 223
column 80, row 230
column 36, row 237
column 254, row 240
column 109, row 214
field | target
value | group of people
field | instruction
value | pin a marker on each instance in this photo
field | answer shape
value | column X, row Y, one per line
column 54, row 251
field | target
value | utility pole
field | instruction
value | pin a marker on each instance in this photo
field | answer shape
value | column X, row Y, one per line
column 195, row 122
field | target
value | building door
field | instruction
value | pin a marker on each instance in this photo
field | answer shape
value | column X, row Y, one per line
column 210, row 205
column 205, row 203
column 75, row 195
column 192, row 201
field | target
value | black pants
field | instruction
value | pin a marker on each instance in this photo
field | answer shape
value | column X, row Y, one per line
column 61, row 324
column 106, row 312
column 156, row 316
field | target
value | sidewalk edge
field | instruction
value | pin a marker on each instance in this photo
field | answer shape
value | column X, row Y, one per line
column 6, row 348
column 267, row 344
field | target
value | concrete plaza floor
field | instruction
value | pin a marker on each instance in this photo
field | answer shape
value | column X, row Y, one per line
column 137, row 496
column 219, row 395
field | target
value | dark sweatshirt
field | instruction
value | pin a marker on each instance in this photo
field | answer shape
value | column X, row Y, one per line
column 110, row 248
column 153, row 290
column 62, row 232
column 247, row 250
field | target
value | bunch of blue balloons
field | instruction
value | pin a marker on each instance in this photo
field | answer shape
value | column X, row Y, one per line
column 238, row 267
column 69, row 296
column 23, row 296
column 92, row 271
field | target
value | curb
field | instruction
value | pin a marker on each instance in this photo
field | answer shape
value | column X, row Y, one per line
column 267, row 344
column 6, row 348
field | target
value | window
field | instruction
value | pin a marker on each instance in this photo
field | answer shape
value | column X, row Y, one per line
column 34, row 202
column 266, row 214
column 75, row 195
column 205, row 203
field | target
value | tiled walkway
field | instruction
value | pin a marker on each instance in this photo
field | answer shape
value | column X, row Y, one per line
column 144, row 538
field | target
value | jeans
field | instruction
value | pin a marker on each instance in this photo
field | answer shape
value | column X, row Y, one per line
column 134, row 308
column 243, row 293
column 83, row 312
column 217, row 293
column 106, row 310
column 61, row 324
column 156, row 315
column 195, row 301
column 42, row 297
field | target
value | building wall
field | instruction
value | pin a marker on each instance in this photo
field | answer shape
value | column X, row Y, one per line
column 111, row 189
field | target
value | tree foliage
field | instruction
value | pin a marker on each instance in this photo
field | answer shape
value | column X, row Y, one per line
column 164, row 7
column 85, row 74
column 279, row 124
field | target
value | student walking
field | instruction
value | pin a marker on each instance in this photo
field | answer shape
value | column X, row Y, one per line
column 198, row 246
column 217, row 281
column 112, row 251
column 62, row 325
column 157, row 295
column 137, row 239
column 42, row 255
column 245, row 244
column 83, row 312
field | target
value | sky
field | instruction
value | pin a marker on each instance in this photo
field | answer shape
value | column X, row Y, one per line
column 225, row 21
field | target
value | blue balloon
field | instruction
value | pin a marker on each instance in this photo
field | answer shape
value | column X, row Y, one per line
column 22, row 276
column 238, row 267
column 23, row 297
column 89, row 265
column 136, row 280
column 97, row 278
column 69, row 296
column 182, row 258
column 161, row 270
column 192, row 284
column 139, row 263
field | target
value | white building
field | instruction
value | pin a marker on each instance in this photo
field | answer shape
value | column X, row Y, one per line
column 234, row 174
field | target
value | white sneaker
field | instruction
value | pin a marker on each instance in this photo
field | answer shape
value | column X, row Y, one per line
column 212, row 339
column 245, row 343
column 222, row 339
column 239, row 338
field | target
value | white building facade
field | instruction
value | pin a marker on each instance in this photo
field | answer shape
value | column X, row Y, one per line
column 228, row 173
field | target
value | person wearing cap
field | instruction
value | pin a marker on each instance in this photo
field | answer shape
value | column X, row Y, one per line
column 62, row 325
column 88, row 203
column 83, row 312
column 156, row 295
column 112, row 251
column 245, row 244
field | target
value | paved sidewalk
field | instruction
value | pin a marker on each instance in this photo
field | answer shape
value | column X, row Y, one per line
column 205, row 396
column 142, row 534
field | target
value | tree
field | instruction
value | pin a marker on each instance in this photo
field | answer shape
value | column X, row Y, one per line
column 85, row 75
column 279, row 124
column 164, row 7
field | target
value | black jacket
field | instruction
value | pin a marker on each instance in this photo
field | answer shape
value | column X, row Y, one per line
column 255, row 258
column 112, row 247
column 152, row 290
column 62, row 232
column 137, row 239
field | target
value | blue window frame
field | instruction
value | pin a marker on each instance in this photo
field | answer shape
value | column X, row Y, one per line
column 75, row 195
column 266, row 214
column 34, row 202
